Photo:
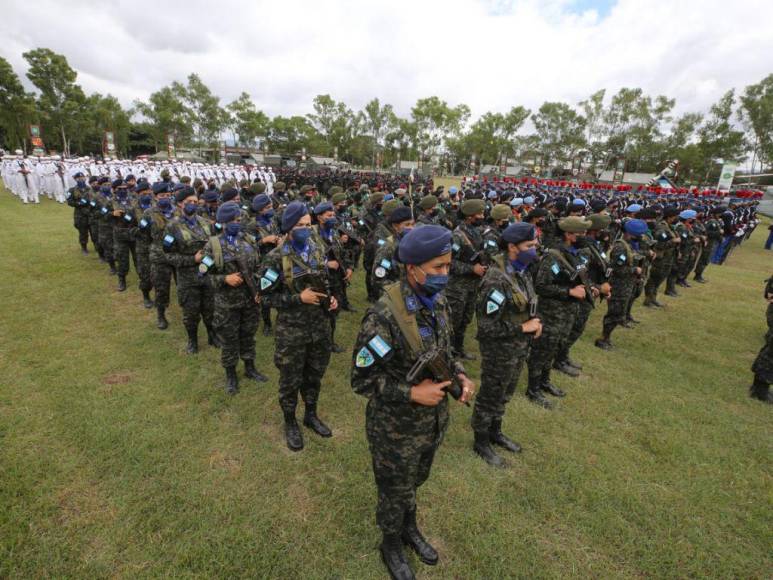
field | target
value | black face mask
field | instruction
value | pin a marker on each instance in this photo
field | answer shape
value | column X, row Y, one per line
column 476, row 223
column 582, row 242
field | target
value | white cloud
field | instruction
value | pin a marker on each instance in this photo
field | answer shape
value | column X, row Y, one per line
column 489, row 54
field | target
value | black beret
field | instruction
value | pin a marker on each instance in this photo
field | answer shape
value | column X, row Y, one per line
column 183, row 193
column 400, row 214
column 229, row 194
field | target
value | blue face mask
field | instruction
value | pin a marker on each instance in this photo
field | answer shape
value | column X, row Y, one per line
column 527, row 256
column 330, row 223
column 232, row 229
column 190, row 209
column 121, row 193
column 145, row 201
column 81, row 184
column 301, row 236
column 105, row 190
column 164, row 204
column 268, row 216
column 401, row 235
column 433, row 283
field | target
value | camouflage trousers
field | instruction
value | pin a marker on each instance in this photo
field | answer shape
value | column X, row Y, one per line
column 106, row 241
column 197, row 301
column 660, row 270
column 143, row 267
column 705, row 258
column 501, row 363
column 368, row 256
column 236, row 328
column 556, row 328
column 763, row 364
column 161, row 275
column 461, row 297
column 122, row 250
column 94, row 234
column 302, row 358
column 581, row 320
column 617, row 307
column 82, row 225
column 402, row 450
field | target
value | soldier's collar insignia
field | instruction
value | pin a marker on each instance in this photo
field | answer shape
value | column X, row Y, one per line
column 411, row 304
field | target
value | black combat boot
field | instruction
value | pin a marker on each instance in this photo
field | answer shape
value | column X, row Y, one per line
column 549, row 387
column 498, row 438
column 671, row 288
column 212, row 338
column 394, row 558
column 146, row 300
column 563, row 366
column 482, row 447
column 604, row 343
column 231, row 381
column 761, row 390
column 84, row 250
column 121, row 283
column 252, row 373
column 413, row 538
column 292, row 432
column 534, row 393
column 571, row 363
column 313, row 422
column 113, row 271
column 162, row 323
column 193, row 341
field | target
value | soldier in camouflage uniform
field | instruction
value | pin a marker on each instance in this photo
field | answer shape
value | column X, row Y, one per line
column 372, row 219
column 405, row 422
column 123, row 226
column 645, row 256
column 294, row 281
column 78, row 198
column 141, row 235
column 339, row 269
column 665, row 248
column 190, row 233
column 94, row 215
column 467, row 269
column 266, row 233
column 688, row 249
column 763, row 364
column 160, row 269
column 596, row 261
column 713, row 227
column 387, row 269
column 623, row 259
column 230, row 263
column 559, row 290
column 492, row 233
column 104, row 203
column 429, row 211
column 507, row 323
column 349, row 238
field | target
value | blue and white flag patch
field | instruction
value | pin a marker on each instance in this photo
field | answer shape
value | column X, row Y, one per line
column 379, row 346
column 269, row 277
column 497, row 297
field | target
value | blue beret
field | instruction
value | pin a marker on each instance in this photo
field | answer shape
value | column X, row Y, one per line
column 130, row 176
column 322, row 207
column 688, row 214
column 633, row 208
column 210, row 196
column 160, row 187
column 528, row 200
column 292, row 214
column 78, row 175
column 228, row 194
column 578, row 202
column 227, row 212
column 142, row 185
column 260, row 201
column 118, row 183
column 424, row 243
column 636, row 227
column 452, row 190
column 183, row 193
column 401, row 213
column 519, row 232
column 492, row 194
column 516, row 202
column 388, row 197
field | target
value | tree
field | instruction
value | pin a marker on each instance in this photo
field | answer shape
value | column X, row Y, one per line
column 756, row 113
column 167, row 114
column 60, row 99
column 207, row 117
column 248, row 122
column 335, row 122
column 17, row 108
column 718, row 138
column 560, row 130
column 289, row 135
column 435, row 122
column 377, row 121
column 593, row 110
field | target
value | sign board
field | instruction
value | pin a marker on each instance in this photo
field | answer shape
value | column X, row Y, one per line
column 170, row 145
column 726, row 176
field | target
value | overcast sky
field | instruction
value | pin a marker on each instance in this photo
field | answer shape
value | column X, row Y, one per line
column 489, row 54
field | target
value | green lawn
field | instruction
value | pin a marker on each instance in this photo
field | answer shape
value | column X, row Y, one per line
column 119, row 457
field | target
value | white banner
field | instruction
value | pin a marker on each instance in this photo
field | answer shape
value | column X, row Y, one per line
column 726, row 176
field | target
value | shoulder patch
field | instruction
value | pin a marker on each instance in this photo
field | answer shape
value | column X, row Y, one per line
column 491, row 307
column 379, row 272
column 497, row 297
column 491, row 244
column 208, row 261
column 143, row 223
column 555, row 269
column 410, row 303
column 386, row 264
column 379, row 346
column 269, row 277
column 456, row 247
column 364, row 358
column 168, row 239
column 381, row 242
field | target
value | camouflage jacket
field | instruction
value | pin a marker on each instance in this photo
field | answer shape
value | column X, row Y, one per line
column 506, row 300
column 182, row 240
column 216, row 267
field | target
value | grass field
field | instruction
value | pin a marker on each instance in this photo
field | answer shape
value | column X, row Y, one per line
column 119, row 457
